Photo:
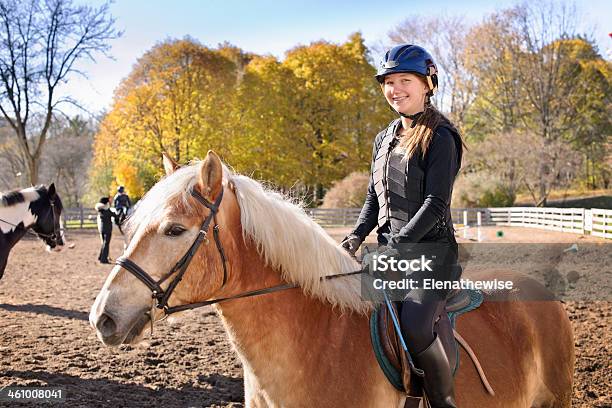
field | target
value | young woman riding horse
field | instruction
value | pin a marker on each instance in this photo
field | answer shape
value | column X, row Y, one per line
column 308, row 346
column 414, row 164
column 36, row 208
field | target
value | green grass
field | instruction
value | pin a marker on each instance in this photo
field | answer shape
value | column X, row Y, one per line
column 77, row 224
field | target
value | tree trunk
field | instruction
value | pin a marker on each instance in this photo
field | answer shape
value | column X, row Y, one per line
column 32, row 163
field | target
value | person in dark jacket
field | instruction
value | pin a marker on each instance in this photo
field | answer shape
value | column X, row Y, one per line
column 105, row 227
column 122, row 204
column 414, row 163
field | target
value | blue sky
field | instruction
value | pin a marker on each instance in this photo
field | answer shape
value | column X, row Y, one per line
column 272, row 27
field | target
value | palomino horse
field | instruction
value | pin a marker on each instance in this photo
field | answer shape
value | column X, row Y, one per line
column 307, row 346
column 38, row 208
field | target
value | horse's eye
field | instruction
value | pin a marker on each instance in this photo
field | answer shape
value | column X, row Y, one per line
column 174, row 231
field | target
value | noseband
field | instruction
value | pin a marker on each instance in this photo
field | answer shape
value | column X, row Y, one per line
column 161, row 296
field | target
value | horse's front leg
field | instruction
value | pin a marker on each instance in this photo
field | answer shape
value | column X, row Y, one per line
column 3, row 262
column 254, row 397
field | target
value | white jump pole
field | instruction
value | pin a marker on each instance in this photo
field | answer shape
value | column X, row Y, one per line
column 465, row 224
column 479, row 224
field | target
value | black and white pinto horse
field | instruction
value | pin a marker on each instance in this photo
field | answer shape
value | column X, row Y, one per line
column 36, row 208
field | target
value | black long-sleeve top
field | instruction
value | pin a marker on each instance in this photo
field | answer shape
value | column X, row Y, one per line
column 441, row 165
column 105, row 218
column 122, row 200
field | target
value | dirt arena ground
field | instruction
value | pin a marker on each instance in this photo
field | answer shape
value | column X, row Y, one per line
column 46, row 340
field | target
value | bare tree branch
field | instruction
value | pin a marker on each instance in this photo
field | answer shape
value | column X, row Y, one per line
column 41, row 43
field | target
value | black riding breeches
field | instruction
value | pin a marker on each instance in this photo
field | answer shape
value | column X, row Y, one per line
column 417, row 322
column 105, row 237
column 422, row 308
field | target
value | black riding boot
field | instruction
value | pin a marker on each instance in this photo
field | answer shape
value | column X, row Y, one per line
column 438, row 380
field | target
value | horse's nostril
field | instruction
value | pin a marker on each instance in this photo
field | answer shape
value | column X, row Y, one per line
column 106, row 325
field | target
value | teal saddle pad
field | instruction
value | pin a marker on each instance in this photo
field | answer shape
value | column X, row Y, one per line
column 392, row 374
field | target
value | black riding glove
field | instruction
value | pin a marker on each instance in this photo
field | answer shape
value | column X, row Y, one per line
column 351, row 243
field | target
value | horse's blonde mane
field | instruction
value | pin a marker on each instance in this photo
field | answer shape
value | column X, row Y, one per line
column 292, row 243
column 285, row 236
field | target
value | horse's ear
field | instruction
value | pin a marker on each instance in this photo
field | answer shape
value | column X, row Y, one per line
column 51, row 190
column 211, row 175
column 170, row 165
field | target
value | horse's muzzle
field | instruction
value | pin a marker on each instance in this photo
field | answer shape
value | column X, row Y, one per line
column 109, row 333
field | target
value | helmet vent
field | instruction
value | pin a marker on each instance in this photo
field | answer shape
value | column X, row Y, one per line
column 390, row 64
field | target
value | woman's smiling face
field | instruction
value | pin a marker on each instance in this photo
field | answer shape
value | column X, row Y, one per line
column 405, row 92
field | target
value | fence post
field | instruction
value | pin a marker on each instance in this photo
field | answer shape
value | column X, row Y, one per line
column 81, row 215
column 479, row 224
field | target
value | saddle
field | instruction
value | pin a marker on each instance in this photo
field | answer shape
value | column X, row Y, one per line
column 391, row 357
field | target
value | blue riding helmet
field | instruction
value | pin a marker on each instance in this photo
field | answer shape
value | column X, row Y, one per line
column 120, row 189
column 409, row 58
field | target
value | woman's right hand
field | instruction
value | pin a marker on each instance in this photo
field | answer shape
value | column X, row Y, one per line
column 351, row 243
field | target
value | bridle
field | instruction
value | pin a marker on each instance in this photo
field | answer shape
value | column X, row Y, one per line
column 56, row 234
column 160, row 296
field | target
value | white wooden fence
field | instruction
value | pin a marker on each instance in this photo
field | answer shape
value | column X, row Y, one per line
column 596, row 222
column 334, row 217
column 556, row 219
column 599, row 222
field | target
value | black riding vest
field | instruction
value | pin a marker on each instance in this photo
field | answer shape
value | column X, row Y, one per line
column 399, row 183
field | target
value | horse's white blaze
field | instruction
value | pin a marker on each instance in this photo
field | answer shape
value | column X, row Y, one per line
column 19, row 212
column 14, row 215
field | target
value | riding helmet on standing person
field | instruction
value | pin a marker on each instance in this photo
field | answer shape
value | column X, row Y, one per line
column 414, row 163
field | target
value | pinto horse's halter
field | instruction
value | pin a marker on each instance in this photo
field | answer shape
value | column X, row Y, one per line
column 56, row 234
column 161, row 296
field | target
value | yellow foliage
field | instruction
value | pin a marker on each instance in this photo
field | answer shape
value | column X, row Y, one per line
column 127, row 176
column 309, row 119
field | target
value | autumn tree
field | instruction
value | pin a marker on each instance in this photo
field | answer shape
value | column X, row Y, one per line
column 490, row 61
column 549, row 79
column 174, row 101
column 530, row 78
column 350, row 192
column 174, row 95
column 304, row 122
column 42, row 42
column 589, row 131
column 263, row 122
column 340, row 108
